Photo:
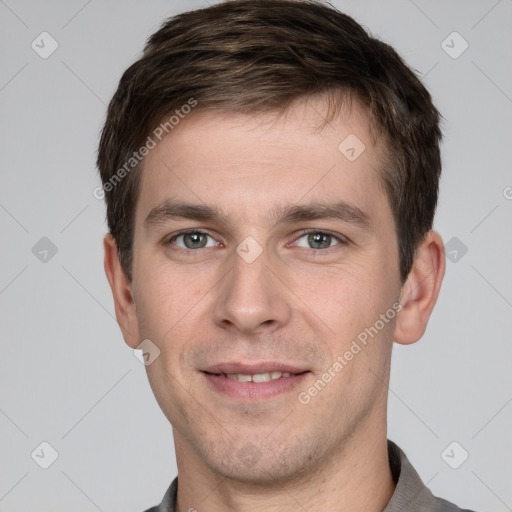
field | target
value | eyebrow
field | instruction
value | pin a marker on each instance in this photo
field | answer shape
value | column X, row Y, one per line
column 170, row 210
column 317, row 211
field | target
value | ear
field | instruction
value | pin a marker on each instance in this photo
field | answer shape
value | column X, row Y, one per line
column 122, row 294
column 421, row 289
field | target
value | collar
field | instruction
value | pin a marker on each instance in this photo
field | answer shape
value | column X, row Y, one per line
column 410, row 492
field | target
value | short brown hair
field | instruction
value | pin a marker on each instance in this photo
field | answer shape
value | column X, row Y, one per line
column 254, row 56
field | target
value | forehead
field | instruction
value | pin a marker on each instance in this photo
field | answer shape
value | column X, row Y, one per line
column 246, row 165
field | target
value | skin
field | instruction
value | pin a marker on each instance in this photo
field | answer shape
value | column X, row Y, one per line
column 296, row 303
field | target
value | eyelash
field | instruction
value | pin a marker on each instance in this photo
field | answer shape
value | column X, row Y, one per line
column 339, row 238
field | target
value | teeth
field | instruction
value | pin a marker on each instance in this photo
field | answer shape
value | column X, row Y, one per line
column 257, row 377
column 262, row 377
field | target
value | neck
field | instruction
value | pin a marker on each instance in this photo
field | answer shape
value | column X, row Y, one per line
column 356, row 478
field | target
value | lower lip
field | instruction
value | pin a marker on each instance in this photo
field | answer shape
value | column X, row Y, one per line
column 254, row 390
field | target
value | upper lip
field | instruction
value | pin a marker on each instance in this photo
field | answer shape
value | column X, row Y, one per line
column 252, row 368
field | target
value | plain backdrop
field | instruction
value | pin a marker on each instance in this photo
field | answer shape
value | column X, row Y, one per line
column 66, row 376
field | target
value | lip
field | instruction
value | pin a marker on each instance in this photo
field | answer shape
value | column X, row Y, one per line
column 254, row 367
column 254, row 391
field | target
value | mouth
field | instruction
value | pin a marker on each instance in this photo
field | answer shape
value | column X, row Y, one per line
column 256, row 377
column 254, row 382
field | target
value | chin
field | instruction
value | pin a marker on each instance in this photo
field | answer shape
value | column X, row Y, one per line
column 264, row 463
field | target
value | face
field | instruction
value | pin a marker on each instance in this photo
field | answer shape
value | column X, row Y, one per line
column 262, row 251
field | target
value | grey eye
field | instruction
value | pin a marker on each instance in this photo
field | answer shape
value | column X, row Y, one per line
column 316, row 240
column 193, row 240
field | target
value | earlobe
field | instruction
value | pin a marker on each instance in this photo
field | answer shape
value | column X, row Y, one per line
column 421, row 289
column 121, row 292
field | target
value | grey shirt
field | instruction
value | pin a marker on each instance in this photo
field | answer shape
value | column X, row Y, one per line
column 410, row 494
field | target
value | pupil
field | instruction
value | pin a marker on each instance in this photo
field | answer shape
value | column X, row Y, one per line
column 319, row 240
column 194, row 240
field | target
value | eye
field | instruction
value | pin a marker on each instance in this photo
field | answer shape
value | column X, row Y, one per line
column 192, row 240
column 318, row 240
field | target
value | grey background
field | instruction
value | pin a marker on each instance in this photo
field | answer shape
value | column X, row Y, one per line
column 66, row 376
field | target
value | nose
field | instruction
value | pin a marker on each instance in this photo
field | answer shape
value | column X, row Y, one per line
column 251, row 298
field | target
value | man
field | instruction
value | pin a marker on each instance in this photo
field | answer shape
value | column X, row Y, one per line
column 271, row 176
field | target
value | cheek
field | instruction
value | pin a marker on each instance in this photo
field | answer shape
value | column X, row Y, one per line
column 170, row 396
column 351, row 306
column 166, row 297
column 343, row 298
